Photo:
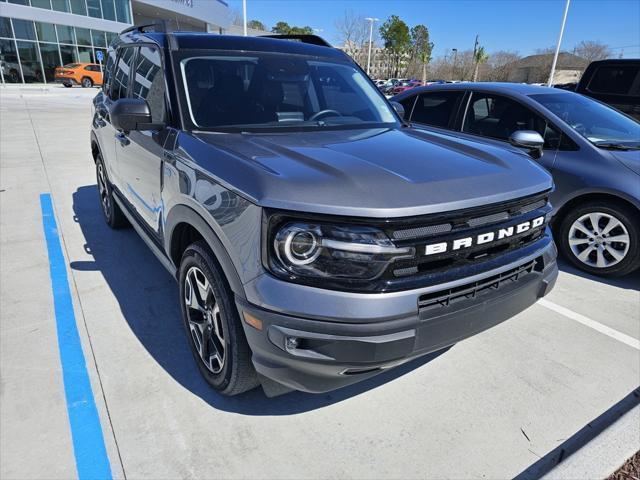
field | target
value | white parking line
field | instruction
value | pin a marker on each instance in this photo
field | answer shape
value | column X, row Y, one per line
column 610, row 332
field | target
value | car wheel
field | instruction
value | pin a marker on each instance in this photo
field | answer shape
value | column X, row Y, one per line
column 86, row 82
column 112, row 213
column 67, row 85
column 601, row 238
column 212, row 323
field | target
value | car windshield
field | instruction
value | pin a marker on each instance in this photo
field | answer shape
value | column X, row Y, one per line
column 601, row 125
column 267, row 90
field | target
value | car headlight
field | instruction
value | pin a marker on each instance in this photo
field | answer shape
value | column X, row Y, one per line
column 328, row 254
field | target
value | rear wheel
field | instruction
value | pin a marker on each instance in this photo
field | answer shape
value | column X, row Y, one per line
column 601, row 238
column 86, row 82
column 110, row 209
column 212, row 323
column 67, row 85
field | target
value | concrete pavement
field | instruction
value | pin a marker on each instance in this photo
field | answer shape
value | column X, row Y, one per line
column 489, row 407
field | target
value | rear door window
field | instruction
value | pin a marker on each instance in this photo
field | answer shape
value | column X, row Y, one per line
column 436, row 108
column 613, row 80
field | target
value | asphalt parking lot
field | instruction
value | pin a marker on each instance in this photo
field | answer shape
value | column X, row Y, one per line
column 498, row 405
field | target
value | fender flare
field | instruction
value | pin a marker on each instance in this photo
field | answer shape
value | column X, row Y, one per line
column 183, row 214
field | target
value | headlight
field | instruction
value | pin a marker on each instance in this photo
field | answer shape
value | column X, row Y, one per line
column 330, row 255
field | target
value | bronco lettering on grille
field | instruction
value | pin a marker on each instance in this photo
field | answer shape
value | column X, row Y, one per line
column 483, row 238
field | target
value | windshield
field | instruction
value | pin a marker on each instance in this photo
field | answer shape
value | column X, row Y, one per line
column 598, row 123
column 266, row 90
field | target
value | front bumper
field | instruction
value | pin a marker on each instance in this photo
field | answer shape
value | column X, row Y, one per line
column 329, row 354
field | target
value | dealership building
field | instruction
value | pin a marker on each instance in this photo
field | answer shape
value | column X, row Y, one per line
column 36, row 36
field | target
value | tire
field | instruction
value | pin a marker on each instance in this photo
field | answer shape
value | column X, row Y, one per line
column 112, row 213
column 86, row 82
column 209, row 312
column 591, row 249
column 67, row 85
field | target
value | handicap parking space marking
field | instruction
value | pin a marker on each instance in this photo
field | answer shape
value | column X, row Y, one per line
column 599, row 327
column 92, row 461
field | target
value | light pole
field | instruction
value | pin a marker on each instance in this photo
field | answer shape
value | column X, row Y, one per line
column 455, row 61
column 371, row 21
column 555, row 57
column 244, row 16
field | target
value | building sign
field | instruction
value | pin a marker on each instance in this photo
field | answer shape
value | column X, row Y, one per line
column 187, row 3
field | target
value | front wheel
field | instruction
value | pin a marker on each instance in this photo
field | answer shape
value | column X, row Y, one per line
column 212, row 323
column 110, row 209
column 601, row 238
column 86, row 82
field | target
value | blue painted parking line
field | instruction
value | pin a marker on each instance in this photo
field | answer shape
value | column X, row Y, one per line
column 89, row 449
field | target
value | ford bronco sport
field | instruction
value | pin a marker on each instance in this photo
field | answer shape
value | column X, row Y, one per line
column 316, row 239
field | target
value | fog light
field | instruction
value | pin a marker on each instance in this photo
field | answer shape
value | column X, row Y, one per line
column 291, row 343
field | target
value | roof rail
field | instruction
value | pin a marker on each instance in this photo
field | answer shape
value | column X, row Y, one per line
column 158, row 26
column 311, row 39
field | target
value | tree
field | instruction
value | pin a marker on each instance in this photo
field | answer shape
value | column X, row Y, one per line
column 397, row 42
column 422, row 48
column 500, row 65
column 592, row 50
column 480, row 56
column 353, row 35
column 256, row 25
column 283, row 28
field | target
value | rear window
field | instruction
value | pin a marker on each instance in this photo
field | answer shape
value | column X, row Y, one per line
column 613, row 79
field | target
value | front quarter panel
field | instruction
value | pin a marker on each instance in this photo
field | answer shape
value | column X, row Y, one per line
column 234, row 220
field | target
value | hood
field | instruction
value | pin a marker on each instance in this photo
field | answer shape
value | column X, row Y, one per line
column 370, row 173
column 630, row 159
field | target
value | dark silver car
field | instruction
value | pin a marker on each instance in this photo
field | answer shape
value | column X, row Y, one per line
column 592, row 150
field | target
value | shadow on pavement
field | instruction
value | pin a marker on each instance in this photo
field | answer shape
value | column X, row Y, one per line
column 628, row 282
column 148, row 299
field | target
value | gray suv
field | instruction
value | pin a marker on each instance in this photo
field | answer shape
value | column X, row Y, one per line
column 317, row 240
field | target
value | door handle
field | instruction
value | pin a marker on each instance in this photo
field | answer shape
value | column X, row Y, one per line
column 123, row 139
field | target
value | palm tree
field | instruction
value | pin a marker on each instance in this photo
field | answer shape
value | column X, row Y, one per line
column 480, row 56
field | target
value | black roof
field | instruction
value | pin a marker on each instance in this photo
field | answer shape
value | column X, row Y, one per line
column 209, row 41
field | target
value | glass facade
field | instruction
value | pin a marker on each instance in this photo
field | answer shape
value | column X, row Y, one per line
column 30, row 51
column 117, row 10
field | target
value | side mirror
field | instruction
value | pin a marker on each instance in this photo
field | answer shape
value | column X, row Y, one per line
column 131, row 114
column 398, row 108
column 528, row 139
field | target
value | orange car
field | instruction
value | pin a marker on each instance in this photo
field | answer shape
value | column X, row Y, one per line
column 84, row 74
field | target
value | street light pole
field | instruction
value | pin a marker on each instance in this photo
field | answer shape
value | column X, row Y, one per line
column 371, row 22
column 455, row 60
column 555, row 57
column 244, row 16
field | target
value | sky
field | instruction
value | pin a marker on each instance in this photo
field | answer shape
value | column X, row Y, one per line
column 515, row 25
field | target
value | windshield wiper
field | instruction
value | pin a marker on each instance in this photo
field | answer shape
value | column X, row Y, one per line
column 616, row 146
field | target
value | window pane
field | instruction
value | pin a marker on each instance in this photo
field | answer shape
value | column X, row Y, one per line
column 30, row 61
column 93, row 6
column 20, row 2
column 85, row 54
column 5, row 27
column 149, row 81
column 65, row 34
column 24, row 29
column 78, row 7
column 98, row 38
column 108, row 10
column 613, row 79
column 108, row 70
column 50, row 60
column 68, row 54
column 41, row 4
column 46, row 32
column 83, row 36
column 435, row 108
column 9, row 62
column 498, row 117
column 111, row 37
column 61, row 5
column 122, row 11
column 121, row 76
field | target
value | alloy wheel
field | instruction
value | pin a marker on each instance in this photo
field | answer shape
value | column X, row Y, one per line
column 599, row 240
column 205, row 322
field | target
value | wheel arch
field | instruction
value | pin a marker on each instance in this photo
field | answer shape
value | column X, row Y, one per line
column 184, row 226
column 604, row 196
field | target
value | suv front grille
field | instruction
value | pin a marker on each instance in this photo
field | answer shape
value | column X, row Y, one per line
column 451, row 296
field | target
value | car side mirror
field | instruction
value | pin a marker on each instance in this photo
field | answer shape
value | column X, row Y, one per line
column 530, row 140
column 398, row 108
column 129, row 114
